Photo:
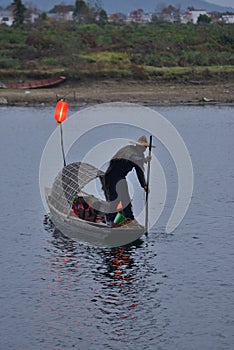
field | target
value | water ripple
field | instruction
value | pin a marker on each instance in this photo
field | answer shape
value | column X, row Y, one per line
column 107, row 293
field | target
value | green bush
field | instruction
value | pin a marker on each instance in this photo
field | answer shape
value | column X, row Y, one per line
column 117, row 49
column 5, row 53
column 50, row 61
column 8, row 63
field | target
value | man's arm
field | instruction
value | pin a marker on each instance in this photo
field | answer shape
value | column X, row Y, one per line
column 141, row 176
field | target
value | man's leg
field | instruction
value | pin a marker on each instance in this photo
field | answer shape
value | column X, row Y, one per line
column 125, row 199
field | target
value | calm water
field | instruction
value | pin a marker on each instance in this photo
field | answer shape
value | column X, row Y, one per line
column 166, row 292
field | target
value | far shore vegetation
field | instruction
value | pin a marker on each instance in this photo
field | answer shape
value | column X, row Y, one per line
column 156, row 52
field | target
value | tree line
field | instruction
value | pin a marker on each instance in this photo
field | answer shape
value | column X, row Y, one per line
column 91, row 11
column 83, row 12
column 91, row 50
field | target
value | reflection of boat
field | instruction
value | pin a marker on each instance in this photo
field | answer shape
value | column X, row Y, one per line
column 60, row 198
column 35, row 84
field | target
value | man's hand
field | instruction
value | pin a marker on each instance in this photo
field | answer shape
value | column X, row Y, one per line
column 148, row 159
column 146, row 188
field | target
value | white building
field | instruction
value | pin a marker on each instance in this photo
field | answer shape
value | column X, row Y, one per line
column 61, row 16
column 227, row 18
column 6, row 17
column 139, row 16
column 192, row 16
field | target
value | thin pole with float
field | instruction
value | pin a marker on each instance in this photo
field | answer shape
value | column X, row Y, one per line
column 147, row 192
column 60, row 115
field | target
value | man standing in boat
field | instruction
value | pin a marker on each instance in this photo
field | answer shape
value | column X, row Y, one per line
column 114, row 180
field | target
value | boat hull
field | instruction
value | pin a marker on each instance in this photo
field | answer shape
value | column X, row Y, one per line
column 35, row 84
column 96, row 234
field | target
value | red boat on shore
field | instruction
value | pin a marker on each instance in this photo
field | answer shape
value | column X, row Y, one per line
column 35, row 84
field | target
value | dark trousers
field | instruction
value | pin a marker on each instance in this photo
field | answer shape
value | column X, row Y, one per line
column 116, row 190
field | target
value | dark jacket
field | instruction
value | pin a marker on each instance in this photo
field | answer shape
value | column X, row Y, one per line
column 123, row 162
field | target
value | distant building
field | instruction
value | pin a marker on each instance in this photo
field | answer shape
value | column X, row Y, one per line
column 117, row 18
column 228, row 18
column 166, row 17
column 169, row 14
column 62, row 13
column 61, row 16
column 191, row 16
column 147, row 18
column 6, row 17
column 31, row 15
column 215, row 17
column 138, row 16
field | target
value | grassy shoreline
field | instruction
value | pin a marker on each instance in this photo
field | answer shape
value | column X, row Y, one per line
column 146, row 93
column 157, row 64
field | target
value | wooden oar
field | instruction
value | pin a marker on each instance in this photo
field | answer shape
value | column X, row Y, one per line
column 147, row 193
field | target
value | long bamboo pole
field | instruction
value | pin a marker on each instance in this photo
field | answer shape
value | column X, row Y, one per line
column 147, row 192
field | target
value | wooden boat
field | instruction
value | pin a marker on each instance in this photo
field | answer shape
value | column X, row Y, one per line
column 67, row 185
column 35, row 84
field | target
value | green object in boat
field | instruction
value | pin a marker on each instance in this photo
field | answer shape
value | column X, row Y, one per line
column 119, row 218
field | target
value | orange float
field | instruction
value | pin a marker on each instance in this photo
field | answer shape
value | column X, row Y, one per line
column 61, row 111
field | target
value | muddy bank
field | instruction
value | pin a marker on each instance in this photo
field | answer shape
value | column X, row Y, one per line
column 112, row 91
